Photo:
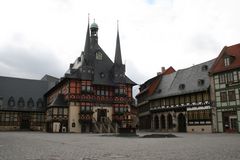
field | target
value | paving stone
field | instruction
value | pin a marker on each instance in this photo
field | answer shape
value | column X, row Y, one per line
column 50, row 146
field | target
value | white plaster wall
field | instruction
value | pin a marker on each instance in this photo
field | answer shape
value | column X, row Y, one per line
column 73, row 118
column 56, row 126
column 219, row 121
column 199, row 129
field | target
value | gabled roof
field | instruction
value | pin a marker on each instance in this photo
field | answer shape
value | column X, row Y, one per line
column 24, row 89
column 152, row 84
column 103, row 69
column 52, row 81
column 100, row 70
column 59, row 101
column 169, row 71
column 189, row 77
column 232, row 51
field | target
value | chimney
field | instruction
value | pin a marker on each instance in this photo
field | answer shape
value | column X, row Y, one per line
column 163, row 69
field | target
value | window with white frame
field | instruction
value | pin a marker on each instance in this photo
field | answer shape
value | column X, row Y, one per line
column 226, row 61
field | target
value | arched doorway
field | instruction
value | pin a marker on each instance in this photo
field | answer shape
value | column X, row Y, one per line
column 163, row 122
column 181, row 123
column 170, row 121
column 156, row 122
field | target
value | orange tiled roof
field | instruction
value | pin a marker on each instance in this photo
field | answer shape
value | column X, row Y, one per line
column 233, row 51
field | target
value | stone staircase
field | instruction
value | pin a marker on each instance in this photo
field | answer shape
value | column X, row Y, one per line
column 104, row 126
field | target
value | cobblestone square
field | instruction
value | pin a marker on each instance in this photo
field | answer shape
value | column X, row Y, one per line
column 47, row 146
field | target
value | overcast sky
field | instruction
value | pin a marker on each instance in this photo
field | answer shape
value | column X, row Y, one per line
column 40, row 37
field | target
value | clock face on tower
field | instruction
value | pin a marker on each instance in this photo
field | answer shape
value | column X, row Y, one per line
column 99, row 55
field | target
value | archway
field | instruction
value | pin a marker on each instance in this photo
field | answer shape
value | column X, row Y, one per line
column 181, row 123
column 156, row 122
column 163, row 122
column 170, row 121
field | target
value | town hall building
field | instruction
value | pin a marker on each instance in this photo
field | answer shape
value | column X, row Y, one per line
column 94, row 95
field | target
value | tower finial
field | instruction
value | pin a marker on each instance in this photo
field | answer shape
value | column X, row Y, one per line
column 88, row 18
column 117, row 25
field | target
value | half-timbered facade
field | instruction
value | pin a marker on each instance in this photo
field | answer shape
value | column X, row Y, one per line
column 95, row 92
column 225, row 82
column 146, row 90
column 22, row 103
column 181, row 101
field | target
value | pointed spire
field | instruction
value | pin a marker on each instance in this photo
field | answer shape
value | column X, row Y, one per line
column 87, row 41
column 118, row 56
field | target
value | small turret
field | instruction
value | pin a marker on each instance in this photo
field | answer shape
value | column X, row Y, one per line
column 94, row 32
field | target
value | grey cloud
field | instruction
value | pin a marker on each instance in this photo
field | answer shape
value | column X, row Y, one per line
column 32, row 61
column 135, row 74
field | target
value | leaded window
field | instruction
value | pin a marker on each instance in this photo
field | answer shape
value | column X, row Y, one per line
column 230, row 77
column 231, row 95
column 86, row 87
column 222, row 78
column 223, row 96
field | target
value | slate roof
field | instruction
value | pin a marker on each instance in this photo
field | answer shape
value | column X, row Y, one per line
column 233, row 51
column 25, row 89
column 101, row 72
column 189, row 77
column 150, row 85
column 52, row 81
column 59, row 101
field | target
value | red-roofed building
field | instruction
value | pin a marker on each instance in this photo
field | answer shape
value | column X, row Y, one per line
column 225, row 89
column 146, row 90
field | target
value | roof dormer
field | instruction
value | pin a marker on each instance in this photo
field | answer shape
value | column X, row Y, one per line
column 182, row 86
column 228, row 60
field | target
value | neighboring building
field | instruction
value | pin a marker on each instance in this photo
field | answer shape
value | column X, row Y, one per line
column 180, row 102
column 94, row 95
column 225, row 82
column 22, row 103
column 146, row 90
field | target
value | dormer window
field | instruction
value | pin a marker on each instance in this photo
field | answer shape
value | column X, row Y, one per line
column 30, row 103
column 98, row 55
column 204, row 68
column 182, row 86
column 226, row 61
column 102, row 75
column 21, row 102
column 1, row 102
column 40, row 103
column 11, row 102
column 200, row 82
